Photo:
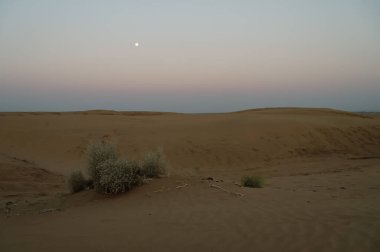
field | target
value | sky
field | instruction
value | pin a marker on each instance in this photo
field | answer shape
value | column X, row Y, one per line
column 193, row 56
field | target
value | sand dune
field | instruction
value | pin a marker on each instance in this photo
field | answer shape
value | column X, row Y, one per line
column 192, row 143
column 21, row 176
column 322, row 169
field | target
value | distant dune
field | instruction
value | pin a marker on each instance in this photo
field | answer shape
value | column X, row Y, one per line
column 319, row 164
column 303, row 111
column 193, row 143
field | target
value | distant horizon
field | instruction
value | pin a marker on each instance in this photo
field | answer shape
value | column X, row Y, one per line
column 190, row 112
column 189, row 56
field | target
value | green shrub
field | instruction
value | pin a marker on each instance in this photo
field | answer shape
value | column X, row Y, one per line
column 117, row 176
column 77, row 182
column 97, row 154
column 153, row 164
column 252, row 181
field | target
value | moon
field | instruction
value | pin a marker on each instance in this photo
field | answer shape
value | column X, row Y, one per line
column 137, row 44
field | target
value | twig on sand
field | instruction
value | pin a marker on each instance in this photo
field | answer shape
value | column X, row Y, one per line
column 181, row 186
column 147, row 180
column 47, row 210
column 224, row 190
column 238, row 194
column 220, row 188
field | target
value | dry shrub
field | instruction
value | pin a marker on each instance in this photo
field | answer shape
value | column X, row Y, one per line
column 117, row 176
column 252, row 181
column 153, row 164
column 97, row 154
column 77, row 182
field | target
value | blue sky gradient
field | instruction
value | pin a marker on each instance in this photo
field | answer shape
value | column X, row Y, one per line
column 194, row 56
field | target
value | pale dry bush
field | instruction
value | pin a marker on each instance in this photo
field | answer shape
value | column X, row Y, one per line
column 153, row 164
column 110, row 174
column 97, row 154
column 117, row 176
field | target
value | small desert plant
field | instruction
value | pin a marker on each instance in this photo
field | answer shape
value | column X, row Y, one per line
column 117, row 176
column 97, row 154
column 252, row 181
column 77, row 182
column 153, row 164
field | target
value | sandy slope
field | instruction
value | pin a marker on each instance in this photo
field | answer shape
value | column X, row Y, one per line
column 192, row 143
column 322, row 169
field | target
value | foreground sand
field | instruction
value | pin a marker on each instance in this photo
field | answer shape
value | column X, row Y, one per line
column 322, row 192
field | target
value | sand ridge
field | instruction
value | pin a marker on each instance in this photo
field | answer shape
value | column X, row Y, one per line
column 192, row 143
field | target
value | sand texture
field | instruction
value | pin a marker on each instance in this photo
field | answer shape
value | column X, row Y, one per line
column 321, row 169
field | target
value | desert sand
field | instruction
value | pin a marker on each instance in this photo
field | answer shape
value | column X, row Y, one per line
column 321, row 169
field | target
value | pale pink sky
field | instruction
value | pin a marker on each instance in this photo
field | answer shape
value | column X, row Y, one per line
column 194, row 56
